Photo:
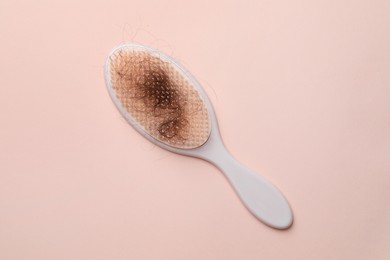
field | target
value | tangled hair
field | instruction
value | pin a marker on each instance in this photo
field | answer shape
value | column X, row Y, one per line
column 147, row 81
column 160, row 95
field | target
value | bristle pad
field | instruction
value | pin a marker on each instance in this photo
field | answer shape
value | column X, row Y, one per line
column 159, row 98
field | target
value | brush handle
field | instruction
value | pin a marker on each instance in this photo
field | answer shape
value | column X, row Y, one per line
column 262, row 199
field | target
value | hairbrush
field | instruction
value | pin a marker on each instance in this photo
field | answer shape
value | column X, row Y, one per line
column 168, row 106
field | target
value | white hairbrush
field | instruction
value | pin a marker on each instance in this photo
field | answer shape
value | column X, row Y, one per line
column 168, row 106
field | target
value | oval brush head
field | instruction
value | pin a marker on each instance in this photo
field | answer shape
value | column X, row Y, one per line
column 158, row 97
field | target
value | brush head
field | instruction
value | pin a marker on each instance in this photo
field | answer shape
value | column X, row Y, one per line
column 157, row 97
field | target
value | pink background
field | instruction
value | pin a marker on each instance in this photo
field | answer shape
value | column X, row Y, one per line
column 302, row 94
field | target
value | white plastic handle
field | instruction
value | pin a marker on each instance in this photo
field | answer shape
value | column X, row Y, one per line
column 263, row 199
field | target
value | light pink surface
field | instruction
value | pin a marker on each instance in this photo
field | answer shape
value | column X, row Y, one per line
column 302, row 94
